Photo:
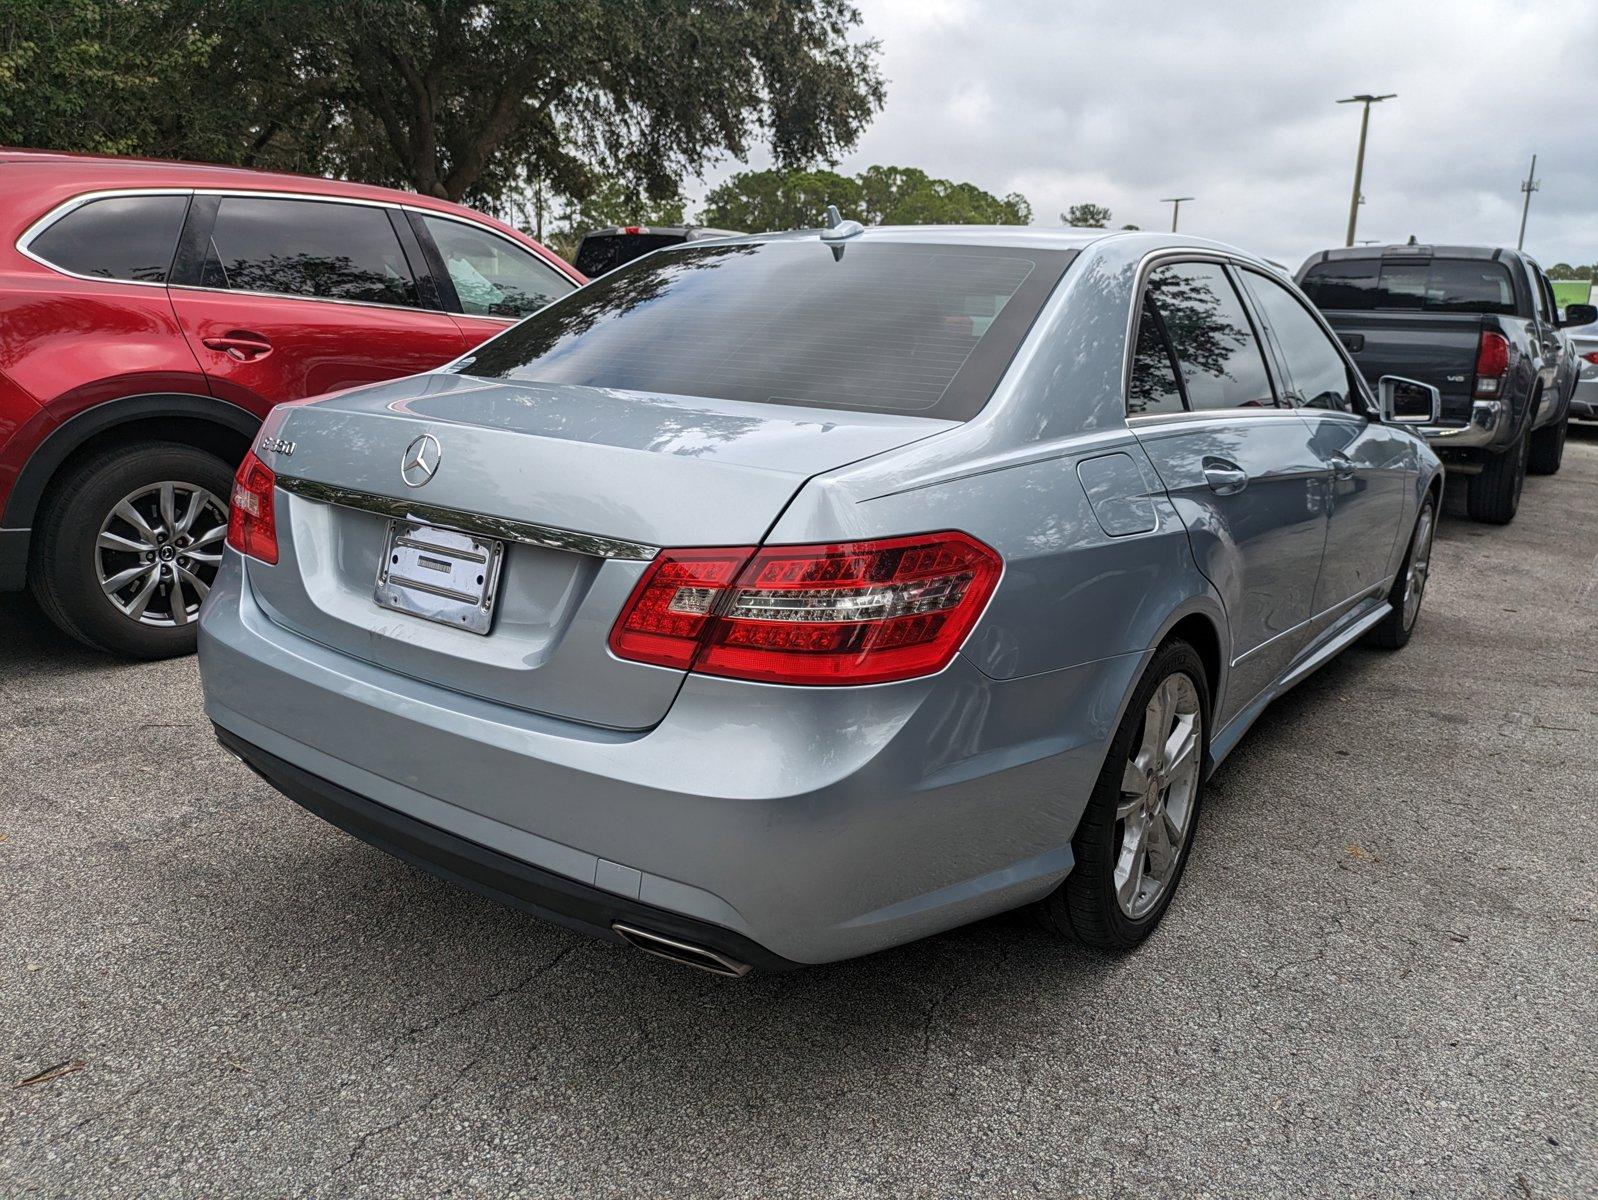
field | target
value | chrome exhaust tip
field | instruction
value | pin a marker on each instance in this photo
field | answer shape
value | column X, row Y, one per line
column 689, row 955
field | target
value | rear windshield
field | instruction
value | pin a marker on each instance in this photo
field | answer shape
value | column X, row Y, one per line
column 917, row 329
column 1443, row 285
column 601, row 252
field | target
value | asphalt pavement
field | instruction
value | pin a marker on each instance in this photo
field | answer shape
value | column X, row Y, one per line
column 1380, row 976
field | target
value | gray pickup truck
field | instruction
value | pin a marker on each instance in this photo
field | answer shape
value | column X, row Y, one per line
column 1480, row 325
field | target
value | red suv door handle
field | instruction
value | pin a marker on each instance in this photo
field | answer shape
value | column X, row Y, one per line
column 240, row 345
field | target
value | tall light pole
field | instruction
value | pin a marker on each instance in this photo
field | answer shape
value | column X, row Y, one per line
column 1176, row 207
column 1531, row 185
column 1359, row 163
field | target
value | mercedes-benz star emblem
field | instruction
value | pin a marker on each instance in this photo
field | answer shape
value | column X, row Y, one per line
column 421, row 460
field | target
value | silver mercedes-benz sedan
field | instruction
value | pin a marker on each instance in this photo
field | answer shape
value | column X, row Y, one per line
column 778, row 600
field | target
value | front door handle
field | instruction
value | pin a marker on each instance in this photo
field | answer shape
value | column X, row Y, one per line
column 241, row 345
column 1225, row 477
column 1342, row 467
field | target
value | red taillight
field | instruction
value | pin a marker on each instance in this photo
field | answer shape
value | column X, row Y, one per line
column 861, row 612
column 1492, row 363
column 1592, row 358
column 252, row 517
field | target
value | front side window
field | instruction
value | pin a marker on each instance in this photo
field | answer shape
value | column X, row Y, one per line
column 307, row 248
column 921, row 329
column 119, row 237
column 493, row 277
column 1215, row 346
column 1317, row 373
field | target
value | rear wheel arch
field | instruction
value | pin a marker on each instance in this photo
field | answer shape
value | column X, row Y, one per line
column 214, row 426
column 1199, row 630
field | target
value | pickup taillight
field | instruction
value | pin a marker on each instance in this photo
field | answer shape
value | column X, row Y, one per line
column 1492, row 364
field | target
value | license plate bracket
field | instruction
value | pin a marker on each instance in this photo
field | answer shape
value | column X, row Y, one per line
column 440, row 575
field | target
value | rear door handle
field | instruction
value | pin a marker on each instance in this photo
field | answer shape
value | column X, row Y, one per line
column 1342, row 467
column 1225, row 477
column 240, row 345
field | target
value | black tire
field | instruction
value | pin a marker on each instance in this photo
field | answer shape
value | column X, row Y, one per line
column 1494, row 495
column 63, row 570
column 1085, row 906
column 1548, row 448
column 1399, row 626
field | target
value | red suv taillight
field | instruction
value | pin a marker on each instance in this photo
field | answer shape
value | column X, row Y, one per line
column 1492, row 364
column 858, row 612
column 252, row 517
column 1592, row 358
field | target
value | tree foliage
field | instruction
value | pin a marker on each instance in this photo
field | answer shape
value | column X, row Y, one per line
column 463, row 99
column 778, row 199
column 1566, row 271
column 1086, row 216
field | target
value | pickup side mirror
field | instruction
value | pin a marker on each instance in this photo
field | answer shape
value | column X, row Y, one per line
column 1578, row 314
column 1408, row 401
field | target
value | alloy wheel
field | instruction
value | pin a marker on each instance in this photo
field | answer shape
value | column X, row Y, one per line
column 158, row 551
column 1159, row 788
column 1420, row 563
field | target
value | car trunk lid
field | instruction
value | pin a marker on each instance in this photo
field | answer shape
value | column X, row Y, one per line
column 583, row 482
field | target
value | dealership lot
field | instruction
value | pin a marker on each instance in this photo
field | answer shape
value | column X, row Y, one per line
column 1378, row 979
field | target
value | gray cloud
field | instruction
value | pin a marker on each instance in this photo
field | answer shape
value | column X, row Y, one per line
column 1121, row 103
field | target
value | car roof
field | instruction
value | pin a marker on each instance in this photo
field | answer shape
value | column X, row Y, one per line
column 690, row 232
column 1025, row 237
column 89, row 172
column 48, row 178
column 1411, row 249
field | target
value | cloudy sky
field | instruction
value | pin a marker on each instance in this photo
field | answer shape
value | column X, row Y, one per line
column 1122, row 102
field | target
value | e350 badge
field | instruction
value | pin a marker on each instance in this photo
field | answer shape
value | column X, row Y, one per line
column 278, row 446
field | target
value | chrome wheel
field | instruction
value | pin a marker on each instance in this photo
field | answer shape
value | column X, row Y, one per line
column 158, row 550
column 1420, row 564
column 1159, row 788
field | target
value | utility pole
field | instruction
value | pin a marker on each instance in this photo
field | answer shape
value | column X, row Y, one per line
column 1176, row 207
column 1359, row 163
column 1530, row 186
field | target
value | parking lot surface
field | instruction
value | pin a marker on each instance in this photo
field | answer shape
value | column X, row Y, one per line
column 1380, row 976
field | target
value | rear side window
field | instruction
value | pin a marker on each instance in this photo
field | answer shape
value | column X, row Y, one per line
column 1210, row 333
column 492, row 276
column 873, row 327
column 1319, row 376
column 120, row 237
column 1439, row 285
column 307, row 248
column 1154, row 389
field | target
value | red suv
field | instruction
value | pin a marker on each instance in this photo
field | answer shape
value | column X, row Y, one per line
column 151, row 313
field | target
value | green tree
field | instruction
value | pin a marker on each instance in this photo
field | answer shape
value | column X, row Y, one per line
column 755, row 201
column 762, row 200
column 1086, row 216
column 100, row 76
column 612, row 202
column 1566, row 271
column 463, row 99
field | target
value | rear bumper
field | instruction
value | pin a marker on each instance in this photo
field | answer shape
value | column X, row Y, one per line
column 564, row 901
column 1490, row 428
column 813, row 823
column 1584, row 402
column 14, row 559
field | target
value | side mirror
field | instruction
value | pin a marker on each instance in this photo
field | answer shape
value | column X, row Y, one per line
column 1578, row 314
column 1408, row 401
